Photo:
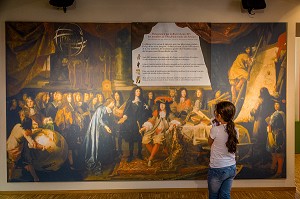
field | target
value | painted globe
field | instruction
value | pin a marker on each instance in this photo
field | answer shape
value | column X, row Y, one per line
column 55, row 150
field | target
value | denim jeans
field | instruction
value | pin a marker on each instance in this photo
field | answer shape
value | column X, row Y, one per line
column 220, row 181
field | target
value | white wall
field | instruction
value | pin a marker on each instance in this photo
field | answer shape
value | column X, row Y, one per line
column 297, row 74
column 152, row 11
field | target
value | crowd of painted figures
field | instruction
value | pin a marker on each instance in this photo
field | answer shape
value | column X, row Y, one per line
column 95, row 127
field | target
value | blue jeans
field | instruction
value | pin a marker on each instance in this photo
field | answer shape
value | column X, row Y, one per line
column 220, row 181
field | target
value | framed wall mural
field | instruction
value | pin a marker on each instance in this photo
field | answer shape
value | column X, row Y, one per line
column 134, row 101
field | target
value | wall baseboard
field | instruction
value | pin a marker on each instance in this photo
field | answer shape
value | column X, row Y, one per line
column 236, row 189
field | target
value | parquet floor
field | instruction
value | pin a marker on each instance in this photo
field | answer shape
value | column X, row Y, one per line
column 161, row 195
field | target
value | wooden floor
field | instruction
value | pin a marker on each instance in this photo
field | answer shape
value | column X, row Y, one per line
column 236, row 194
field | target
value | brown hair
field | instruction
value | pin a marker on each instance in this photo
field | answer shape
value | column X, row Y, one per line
column 227, row 111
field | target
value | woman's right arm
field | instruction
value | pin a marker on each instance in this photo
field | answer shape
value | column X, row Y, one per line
column 211, row 136
column 210, row 141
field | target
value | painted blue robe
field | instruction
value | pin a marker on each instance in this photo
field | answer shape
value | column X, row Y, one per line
column 98, row 143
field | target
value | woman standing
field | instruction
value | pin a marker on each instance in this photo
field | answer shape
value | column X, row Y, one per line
column 223, row 140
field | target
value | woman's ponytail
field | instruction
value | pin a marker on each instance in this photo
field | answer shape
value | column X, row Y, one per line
column 232, row 137
column 227, row 111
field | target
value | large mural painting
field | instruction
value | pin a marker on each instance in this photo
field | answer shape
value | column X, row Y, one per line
column 134, row 101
